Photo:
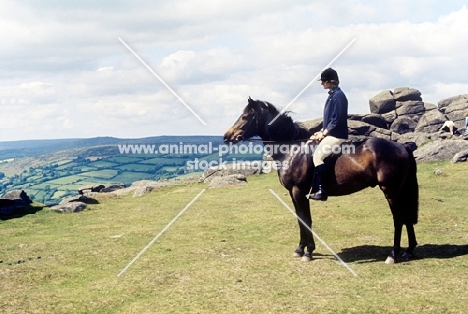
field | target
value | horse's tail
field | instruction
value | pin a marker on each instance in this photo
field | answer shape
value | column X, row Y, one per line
column 411, row 190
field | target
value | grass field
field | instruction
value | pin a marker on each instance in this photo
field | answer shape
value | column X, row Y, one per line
column 230, row 252
column 101, row 174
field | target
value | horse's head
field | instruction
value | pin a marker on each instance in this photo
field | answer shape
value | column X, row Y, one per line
column 250, row 123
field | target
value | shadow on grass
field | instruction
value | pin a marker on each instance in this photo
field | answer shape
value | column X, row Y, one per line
column 373, row 253
column 21, row 212
column 91, row 201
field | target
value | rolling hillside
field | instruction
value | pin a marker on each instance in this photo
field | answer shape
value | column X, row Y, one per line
column 50, row 170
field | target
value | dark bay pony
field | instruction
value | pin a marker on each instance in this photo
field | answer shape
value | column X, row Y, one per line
column 374, row 162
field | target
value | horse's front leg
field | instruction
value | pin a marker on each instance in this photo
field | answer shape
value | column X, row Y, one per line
column 398, row 226
column 301, row 204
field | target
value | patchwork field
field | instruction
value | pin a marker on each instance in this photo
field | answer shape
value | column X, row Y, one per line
column 55, row 178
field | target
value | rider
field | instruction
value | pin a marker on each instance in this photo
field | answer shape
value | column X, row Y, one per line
column 334, row 130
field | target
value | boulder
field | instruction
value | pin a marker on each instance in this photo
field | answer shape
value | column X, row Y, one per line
column 403, row 124
column 356, row 116
column 14, row 200
column 376, row 120
column 112, row 188
column 124, row 191
column 233, row 179
column 231, row 169
column 143, row 190
column 360, row 128
column 90, row 188
column 418, row 138
column 440, row 150
column 457, row 112
column 77, row 198
column 383, row 102
column 381, row 133
column 144, row 187
column 20, row 198
column 371, row 118
column 406, row 93
column 73, row 207
column 7, row 207
column 460, row 99
column 428, row 107
column 409, row 108
column 389, row 117
column 312, row 125
column 460, row 156
column 430, row 122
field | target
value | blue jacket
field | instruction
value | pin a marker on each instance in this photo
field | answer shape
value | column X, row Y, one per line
column 335, row 114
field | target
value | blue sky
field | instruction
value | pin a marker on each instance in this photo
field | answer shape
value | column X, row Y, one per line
column 65, row 74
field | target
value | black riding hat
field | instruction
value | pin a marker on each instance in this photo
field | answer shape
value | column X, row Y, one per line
column 329, row 75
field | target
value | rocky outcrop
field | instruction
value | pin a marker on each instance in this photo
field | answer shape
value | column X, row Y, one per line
column 77, row 198
column 406, row 93
column 141, row 188
column 383, row 102
column 244, row 169
column 71, row 207
column 455, row 109
column 232, row 179
column 112, row 188
column 72, row 204
column 14, row 200
column 460, row 156
column 430, row 121
column 91, row 188
column 440, row 150
column 401, row 115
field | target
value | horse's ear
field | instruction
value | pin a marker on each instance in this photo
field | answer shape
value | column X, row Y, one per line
column 251, row 102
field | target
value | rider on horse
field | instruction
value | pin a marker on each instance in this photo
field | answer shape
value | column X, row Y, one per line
column 334, row 130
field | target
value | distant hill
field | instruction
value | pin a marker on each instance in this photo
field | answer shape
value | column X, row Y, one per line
column 49, row 170
column 29, row 148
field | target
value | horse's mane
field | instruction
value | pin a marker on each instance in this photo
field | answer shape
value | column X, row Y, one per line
column 283, row 128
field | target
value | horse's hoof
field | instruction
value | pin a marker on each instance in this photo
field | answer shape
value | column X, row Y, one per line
column 306, row 258
column 407, row 256
column 296, row 254
column 390, row 260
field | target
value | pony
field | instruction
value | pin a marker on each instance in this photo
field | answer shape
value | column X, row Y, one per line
column 375, row 161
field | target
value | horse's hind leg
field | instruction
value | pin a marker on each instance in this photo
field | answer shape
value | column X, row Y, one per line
column 412, row 243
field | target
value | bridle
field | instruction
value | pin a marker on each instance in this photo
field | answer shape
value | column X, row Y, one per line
column 255, row 117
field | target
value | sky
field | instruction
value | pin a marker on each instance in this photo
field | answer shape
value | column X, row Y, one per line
column 66, row 73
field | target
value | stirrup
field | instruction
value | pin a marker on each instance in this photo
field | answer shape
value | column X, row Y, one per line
column 318, row 196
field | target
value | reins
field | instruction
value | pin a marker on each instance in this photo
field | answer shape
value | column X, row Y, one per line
column 262, row 141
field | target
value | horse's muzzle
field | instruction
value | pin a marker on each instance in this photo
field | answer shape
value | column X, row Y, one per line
column 231, row 137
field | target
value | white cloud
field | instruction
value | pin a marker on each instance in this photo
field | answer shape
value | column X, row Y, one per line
column 65, row 74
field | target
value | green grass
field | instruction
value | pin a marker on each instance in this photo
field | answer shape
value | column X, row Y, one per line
column 129, row 177
column 230, row 252
column 102, row 164
column 165, row 160
column 62, row 181
column 137, row 167
column 125, row 159
column 101, row 174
